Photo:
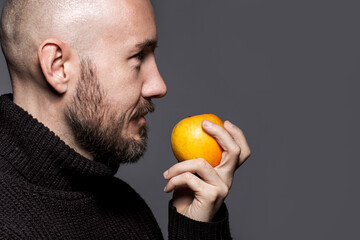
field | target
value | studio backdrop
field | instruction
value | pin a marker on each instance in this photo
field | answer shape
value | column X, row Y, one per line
column 287, row 73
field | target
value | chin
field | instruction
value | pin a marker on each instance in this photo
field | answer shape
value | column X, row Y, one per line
column 136, row 129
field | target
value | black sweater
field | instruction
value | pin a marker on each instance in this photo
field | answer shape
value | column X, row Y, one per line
column 49, row 191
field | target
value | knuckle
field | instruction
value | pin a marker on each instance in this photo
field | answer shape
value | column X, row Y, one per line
column 224, row 191
column 247, row 153
column 188, row 176
column 202, row 163
column 240, row 131
column 236, row 150
column 196, row 182
column 218, row 193
column 212, row 196
column 176, row 181
column 173, row 181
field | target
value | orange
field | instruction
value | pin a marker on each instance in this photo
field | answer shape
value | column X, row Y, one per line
column 190, row 141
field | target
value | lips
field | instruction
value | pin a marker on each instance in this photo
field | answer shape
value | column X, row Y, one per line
column 144, row 108
column 138, row 115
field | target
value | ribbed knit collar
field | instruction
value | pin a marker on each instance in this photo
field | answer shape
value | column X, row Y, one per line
column 40, row 156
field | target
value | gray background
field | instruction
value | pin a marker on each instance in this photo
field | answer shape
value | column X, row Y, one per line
column 287, row 73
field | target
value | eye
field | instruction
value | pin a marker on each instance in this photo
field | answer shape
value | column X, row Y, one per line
column 140, row 56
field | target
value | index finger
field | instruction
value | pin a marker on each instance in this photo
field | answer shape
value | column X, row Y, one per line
column 222, row 136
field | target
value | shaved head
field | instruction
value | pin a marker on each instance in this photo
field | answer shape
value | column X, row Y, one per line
column 46, row 43
column 26, row 23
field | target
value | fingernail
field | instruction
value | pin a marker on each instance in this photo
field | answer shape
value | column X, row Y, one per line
column 165, row 188
column 207, row 123
column 229, row 124
column 166, row 173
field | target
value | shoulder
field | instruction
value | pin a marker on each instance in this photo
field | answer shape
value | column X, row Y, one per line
column 11, row 205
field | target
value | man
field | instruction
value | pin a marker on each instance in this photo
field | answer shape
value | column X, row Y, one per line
column 83, row 76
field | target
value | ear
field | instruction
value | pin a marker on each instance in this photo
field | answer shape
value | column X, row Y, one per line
column 53, row 55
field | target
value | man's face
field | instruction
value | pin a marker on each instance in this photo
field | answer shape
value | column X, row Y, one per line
column 116, row 84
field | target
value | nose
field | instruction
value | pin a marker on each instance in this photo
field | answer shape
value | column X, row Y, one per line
column 154, row 85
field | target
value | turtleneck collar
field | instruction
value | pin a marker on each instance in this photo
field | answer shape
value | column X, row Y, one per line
column 40, row 156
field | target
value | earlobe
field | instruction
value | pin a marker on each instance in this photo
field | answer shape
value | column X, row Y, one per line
column 52, row 55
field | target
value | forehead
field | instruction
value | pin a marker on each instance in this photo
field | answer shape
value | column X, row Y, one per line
column 129, row 22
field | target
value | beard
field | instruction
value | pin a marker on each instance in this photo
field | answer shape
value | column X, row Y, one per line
column 98, row 127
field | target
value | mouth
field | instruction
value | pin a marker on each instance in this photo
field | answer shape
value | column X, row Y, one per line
column 139, row 116
column 142, row 117
column 142, row 120
column 143, row 110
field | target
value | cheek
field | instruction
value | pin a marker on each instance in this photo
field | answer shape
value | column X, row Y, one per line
column 121, row 83
column 122, row 88
column 125, row 102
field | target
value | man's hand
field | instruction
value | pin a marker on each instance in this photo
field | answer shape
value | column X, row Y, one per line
column 201, row 189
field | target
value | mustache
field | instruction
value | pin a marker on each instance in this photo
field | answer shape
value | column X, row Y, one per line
column 146, row 106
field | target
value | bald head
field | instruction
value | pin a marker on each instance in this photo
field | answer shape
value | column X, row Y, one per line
column 25, row 24
column 45, row 43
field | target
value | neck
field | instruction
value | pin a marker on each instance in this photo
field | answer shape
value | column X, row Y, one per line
column 49, row 110
column 29, row 150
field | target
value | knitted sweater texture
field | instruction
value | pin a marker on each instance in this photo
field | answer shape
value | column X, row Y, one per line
column 49, row 191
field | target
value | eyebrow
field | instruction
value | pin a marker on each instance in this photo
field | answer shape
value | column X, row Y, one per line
column 153, row 43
